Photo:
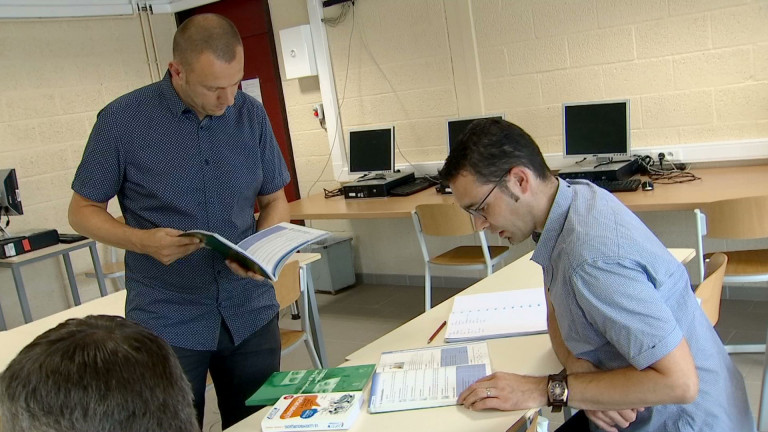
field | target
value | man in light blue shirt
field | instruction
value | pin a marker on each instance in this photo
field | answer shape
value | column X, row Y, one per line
column 639, row 352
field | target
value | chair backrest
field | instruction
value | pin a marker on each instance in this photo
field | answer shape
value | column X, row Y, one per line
column 288, row 284
column 739, row 218
column 443, row 220
column 711, row 288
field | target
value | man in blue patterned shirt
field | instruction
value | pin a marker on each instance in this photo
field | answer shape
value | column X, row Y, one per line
column 191, row 152
column 639, row 352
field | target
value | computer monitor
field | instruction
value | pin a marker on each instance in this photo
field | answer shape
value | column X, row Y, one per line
column 596, row 129
column 372, row 150
column 456, row 127
column 10, row 199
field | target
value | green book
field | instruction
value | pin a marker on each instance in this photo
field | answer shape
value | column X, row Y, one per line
column 340, row 379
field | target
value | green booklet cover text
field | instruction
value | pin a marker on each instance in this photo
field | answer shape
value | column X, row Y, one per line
column 340, row 379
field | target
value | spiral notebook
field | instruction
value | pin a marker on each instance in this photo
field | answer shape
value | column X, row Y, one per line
column 496, row 315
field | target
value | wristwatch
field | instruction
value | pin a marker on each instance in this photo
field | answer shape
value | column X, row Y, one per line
column 557, row 391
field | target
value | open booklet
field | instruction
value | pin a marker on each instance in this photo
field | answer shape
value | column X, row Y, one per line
column 426, row 377
column 264, row 252
column 498, row 314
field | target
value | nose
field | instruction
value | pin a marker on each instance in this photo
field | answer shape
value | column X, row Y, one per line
column 480, row 222
column 228, row 96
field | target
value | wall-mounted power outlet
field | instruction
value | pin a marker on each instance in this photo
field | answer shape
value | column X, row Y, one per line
column 672, row 158
column 671, row 154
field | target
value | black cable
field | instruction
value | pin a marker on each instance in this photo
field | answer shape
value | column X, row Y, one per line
column 333, row 192
column 609, row 161
column 343, row 96
column 661, row 175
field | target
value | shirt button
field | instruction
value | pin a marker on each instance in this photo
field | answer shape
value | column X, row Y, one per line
column 207, row 162
column 218, row 272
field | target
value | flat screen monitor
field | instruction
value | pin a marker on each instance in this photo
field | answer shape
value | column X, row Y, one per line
column 10, row 199
column 372, row 150
column 456, row 127
column 596, row 129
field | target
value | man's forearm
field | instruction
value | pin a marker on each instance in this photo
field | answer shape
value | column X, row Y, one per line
column 93, row 220
column 672, row 379
column 626, row 388
column 272, row 212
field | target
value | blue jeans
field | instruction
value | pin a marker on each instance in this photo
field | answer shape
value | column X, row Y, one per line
column 237, row 370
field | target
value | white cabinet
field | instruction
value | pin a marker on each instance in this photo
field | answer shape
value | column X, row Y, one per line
column 85, row 8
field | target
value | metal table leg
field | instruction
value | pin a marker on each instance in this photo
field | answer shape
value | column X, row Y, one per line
column 2, row 319
column 762, row 413
column 314, row 317
column 71, row 278
column 22, row 293
column 97, row 268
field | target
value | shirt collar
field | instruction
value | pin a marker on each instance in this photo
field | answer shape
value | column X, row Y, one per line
column 554, row 224
column 175, row 104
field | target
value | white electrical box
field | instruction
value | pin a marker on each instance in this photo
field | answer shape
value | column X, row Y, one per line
column 298, row 52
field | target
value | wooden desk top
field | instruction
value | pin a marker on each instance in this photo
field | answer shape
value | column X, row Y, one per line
column 318, row 207
column 715, row 184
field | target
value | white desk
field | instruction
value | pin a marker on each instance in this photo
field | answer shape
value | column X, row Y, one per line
column 62, row 249
column 13, row 340
column 531, row 355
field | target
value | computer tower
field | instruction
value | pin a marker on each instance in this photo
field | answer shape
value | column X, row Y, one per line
column 611, row 171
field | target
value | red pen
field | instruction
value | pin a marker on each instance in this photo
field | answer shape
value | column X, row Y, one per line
column 434, row 335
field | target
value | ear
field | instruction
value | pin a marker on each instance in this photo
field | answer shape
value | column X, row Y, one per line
column 519, row 180
column 176, row 69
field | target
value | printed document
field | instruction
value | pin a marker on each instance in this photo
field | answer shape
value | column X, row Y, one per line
column 497, row 314
column 426, row 377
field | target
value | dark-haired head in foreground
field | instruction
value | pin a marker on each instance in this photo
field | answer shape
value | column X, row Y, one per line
column 95, row 374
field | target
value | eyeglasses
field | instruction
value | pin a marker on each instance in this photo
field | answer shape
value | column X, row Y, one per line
column 477, row 210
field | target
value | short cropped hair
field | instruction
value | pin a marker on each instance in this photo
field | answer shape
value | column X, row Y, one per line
column 95, row 374
column 203, row 33
column 491, row 147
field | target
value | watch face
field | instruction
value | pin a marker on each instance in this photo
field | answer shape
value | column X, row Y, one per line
column 557, row 391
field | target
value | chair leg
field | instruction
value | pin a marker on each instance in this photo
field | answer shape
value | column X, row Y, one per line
column 312, row 353
column 427, row 289
column 762, row 413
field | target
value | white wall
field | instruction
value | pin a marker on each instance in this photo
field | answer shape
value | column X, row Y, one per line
column 57, row 74
column 695, row 71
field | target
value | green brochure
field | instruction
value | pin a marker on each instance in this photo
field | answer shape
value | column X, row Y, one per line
column 340, row 379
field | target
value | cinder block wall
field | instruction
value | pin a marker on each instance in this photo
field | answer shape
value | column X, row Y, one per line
column 695, row 71
column 57, row 74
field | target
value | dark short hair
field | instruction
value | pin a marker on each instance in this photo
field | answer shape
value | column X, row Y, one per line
column 93, row 374
column 491, row 147
column 203, row 33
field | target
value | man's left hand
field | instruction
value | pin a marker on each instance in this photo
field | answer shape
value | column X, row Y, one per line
column 506, row 392
column 242, row 271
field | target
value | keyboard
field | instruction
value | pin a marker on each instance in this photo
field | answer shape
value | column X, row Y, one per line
column 417, row 185
column 629, row 185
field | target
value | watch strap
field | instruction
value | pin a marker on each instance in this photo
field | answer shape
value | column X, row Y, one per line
column 560, row 379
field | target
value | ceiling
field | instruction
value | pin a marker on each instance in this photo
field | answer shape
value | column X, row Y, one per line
column 84, row 8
